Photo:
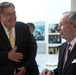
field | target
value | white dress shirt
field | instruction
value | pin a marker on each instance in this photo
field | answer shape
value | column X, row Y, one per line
column 7, row 32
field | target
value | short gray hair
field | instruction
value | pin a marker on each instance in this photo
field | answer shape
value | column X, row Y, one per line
column 4, row 5
column 71, row 15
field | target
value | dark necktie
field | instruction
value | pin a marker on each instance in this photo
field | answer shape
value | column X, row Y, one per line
column 67, row 53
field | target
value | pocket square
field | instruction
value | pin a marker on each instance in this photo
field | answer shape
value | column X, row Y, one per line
column 74, row 61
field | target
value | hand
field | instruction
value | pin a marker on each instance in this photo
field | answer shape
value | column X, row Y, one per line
column 22, row 71
column 46, row 72
column 15, row 56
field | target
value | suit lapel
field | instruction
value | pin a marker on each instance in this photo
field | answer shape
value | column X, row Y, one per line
column 62, row 52
column 17, row 35
column 4, row 36
column 70, row 59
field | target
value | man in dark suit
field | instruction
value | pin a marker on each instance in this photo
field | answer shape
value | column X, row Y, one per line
column 21, row 58
column 67, row 30
column 32, row 29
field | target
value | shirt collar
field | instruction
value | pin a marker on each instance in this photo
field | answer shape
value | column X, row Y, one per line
column 73, row 41
column 6, row 29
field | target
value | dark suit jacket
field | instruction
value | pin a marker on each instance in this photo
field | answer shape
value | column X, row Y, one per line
column 24, row 45
column 69, row 68
column 35, row 68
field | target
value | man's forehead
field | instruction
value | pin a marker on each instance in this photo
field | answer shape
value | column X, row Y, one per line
column 64, row 17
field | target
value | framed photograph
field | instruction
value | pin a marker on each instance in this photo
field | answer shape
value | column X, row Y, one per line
column 39, row 32
column 54, row 39
column 53, row 28
column 53, row 49
column 41, row 48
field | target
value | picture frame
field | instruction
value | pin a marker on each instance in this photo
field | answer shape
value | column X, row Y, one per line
column 53, row 28
column 53, row 49
column 39, row 32
column 41, row 48
column 54, row 39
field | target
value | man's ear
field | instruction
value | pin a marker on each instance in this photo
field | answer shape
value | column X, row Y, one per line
column 75, row 25
column 0, row 18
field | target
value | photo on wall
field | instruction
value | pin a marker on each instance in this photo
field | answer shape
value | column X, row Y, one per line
column 39, row 32
column 41, row 48
column 53, row 28
column 53, row 49
column 54, row 39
